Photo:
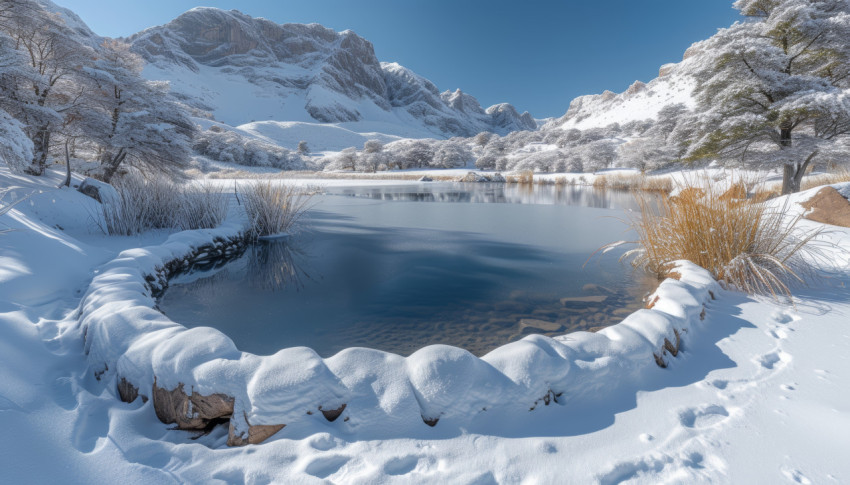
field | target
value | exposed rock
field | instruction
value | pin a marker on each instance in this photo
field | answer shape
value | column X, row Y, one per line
column 257, row 433
column 189, row 412
column 127, row 392
column 96, row 189
column 829, row 207
column 332, row 414
column 426, row 178
column 666, row 69
column 430, row 421
column 636, row 87
column 329, row 74
column 473, row 177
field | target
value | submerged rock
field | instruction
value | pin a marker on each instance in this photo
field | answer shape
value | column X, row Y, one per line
column 543, row 325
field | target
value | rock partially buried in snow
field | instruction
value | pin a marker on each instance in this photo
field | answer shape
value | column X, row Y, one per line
column 829, row 207
column 97, row 190
column 256, row 434
column 426, row 178
column 190, row 412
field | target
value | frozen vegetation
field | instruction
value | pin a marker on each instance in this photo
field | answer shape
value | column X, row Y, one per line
column 735, row 371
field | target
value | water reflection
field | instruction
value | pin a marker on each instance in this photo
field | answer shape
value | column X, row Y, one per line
column 376, row 273
column 266, row 265
column 490, row 193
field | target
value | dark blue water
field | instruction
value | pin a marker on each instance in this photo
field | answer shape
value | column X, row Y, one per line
column 398, row 268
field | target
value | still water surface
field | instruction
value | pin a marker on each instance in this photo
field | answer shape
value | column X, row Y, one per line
column 400, row 267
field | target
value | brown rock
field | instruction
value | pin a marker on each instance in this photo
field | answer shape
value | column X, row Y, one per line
column 189, row 412
column 257, row 433
column 584, row 299
column 828, row 207
column 539, row 325
column 127, row 392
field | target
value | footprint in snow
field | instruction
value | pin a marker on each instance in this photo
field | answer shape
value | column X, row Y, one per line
column 784, row 317
column 401, row 465
column 774, row 360
column 796, row 476
column 326, row 466
column 91, row 426
column 323, row 442
column 704, row 416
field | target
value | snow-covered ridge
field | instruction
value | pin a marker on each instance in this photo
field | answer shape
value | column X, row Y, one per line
column 641, row 101
column 386, row 394
column 246, row 69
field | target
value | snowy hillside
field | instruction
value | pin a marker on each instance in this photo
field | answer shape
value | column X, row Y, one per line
column 642, row 101
column 245, row 69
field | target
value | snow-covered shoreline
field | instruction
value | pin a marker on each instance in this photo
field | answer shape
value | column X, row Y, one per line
column 127, row 340
column 753, row 368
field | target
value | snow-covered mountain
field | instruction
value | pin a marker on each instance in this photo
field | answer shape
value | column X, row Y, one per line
column 641, row 101
column 245, row 69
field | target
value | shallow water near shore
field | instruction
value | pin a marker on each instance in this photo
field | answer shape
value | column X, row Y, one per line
column 397, row 268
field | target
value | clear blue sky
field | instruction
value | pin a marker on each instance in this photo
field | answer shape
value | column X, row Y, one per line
column 538, row 55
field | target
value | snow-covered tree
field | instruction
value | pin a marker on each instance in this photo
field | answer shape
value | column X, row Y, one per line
column 774, row 89
column 344, row 160
column 231, row 147
column 145, row 126
column 15, row 146
column 41, row 80
column 373, row 157
column 303, row 149
column 451, row 154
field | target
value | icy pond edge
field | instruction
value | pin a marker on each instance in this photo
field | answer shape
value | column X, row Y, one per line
column 198, row 377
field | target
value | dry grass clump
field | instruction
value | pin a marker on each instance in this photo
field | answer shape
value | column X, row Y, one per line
column 835, row 177
column 748, row 244
column 140, row 204
column 273, row 207
column 626, row 181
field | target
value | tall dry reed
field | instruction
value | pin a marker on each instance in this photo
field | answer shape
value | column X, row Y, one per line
column 140, row 204
column 273, row 207
column 751, row 245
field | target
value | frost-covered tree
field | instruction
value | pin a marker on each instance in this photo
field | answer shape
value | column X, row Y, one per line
column 303, row 149
column 231, row 147
column 483, row 138
column 373, row 157
column 145, row 127
column 452, row 153
column 41, row 80
column 15, row 146
column 344, row 160
column 774, row 88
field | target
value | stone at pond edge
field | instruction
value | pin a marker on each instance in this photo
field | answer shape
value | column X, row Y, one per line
column 189, row 412
column 829, row 207
column 257, row 433
column 96, row 189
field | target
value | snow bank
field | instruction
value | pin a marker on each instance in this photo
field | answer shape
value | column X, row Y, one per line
column 127, row 339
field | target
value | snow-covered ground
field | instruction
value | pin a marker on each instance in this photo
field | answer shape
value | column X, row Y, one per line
column 758, row 393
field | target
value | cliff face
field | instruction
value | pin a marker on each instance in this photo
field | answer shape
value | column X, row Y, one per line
column 306, row 72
